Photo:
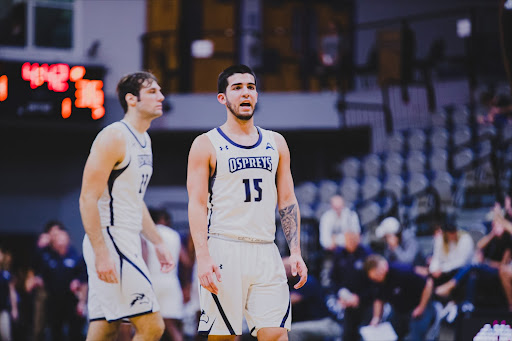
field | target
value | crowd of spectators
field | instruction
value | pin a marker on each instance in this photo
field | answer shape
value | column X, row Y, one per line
column 45, row 298
column 397, row 281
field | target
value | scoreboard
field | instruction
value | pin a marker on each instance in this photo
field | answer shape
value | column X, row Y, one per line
column 30, row 90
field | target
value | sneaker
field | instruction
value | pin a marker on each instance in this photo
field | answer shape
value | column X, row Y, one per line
column 452, row 312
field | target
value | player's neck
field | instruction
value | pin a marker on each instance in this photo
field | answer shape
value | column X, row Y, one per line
column 139, row 124
column 239, row 127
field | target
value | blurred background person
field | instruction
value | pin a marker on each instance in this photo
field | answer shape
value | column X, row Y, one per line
column 167, row 286
column 351, row 286
column 64, row 277
column 335, row 221
column 311, row 318
column 408, row 294
column 8, row 297
column 400, row 245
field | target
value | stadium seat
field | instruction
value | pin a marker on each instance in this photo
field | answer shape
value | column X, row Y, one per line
column 438, row 137
column 461, row 136
column 416, row 139
column 438, row 160
column 416, row 161
column 395, row 184
column 349, row 190
column 306, row 193
column 396, row 142
column 350, row 167
column 326, row 189
column 393, row 163
column 370, row 187
column 416, row 183
column 372, row 165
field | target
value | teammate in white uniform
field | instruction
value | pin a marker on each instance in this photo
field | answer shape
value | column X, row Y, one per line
column 237, row 175
column 114, row 214
column 167, row 286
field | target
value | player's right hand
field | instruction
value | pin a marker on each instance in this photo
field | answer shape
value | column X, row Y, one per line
column 205, row 270
column 106, row 269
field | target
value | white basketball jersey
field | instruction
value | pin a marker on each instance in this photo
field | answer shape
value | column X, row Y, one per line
column 242, row 192
column 122, row 201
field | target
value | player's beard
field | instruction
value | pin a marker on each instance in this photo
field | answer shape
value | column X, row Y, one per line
column 237, row 114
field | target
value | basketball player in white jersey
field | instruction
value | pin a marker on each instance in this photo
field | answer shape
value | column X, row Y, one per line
column 238, row 174
column 114, row 214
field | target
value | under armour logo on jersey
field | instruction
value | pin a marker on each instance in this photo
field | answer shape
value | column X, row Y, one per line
column 269, row 146
column 220, row 266
column 205, row 318
column 224, row 147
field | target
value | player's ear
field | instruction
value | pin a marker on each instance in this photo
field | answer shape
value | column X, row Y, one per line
column 221, row 97
column 130, row 99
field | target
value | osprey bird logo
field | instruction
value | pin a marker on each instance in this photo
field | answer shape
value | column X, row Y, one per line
column 141, row 298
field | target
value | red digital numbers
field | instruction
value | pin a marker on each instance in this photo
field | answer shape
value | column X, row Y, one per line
column 3, row 88
column 56, row 75
column 89, row 93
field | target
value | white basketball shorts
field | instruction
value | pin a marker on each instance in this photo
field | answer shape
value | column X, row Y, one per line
column 253, row 283
column 133, row 294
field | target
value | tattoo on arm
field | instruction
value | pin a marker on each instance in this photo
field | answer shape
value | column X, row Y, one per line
column 289, row 223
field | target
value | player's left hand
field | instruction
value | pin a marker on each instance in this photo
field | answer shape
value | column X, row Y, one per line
column 299, row 267
column 164, row 257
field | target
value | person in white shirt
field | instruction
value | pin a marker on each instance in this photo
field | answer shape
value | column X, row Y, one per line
column 335, row 222
column 453, row 249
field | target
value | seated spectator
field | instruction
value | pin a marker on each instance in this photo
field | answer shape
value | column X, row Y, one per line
column 408, row 294
column 492, row 250
column 453, row 249
column 311, row 318
column 64, row 276
column 335, row 221
column 351, row 286
column 8, row 299
column 401, row 245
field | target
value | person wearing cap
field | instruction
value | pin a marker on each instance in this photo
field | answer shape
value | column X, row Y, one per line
column 401, row 245
column 452, row 250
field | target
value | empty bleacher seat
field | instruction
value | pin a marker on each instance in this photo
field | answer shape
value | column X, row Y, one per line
column 370, row 187
column 416, row 161
column 396, row 142
column 462, row 160
column 443, row 183
column 349, row 190
column 393, row 163
column 350, row 167
column 416, row 183
column 326, row 189
column 395, row 184
column 461, row 136
column 438, row 160
column 306, row 193
column 372, row 165
column 438, row 137
column 416, row 139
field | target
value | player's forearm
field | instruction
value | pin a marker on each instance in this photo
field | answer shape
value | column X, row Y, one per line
column 148, row 228
column 197, row 219
column 290, row 222
column 92, row 225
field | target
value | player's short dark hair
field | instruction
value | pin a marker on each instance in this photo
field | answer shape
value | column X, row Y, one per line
column 222, row 81
column 131, row 84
